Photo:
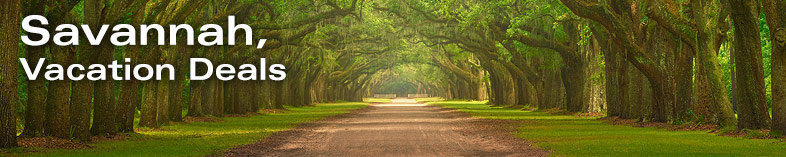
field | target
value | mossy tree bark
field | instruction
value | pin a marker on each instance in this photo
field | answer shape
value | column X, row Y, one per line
column 776, row 20
column 9, row 30
column 574, row 78
column 104, row 96
column 706, row 53
column 36, row 89
column 82, row 98
column 57, row 109
column 752, row 103
column 129, row 90
column 104, row 102
column 147, row 116
column 622, row 22
column 615, row 88
column 57, row 121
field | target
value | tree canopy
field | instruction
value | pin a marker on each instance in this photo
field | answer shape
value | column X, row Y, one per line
column 683, row 61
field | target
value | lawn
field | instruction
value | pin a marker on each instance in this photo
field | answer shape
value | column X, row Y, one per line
column 568, row 135
column 203, row 138
column 376, row 100
column 429, row 99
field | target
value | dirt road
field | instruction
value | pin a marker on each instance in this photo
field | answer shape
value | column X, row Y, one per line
column 400, row 128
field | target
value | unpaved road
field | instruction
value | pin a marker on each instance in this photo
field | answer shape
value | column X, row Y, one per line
column 400, row 128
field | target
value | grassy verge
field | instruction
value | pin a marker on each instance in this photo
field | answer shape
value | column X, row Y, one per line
column 376, row 100
column 429, row 99
column 202, row 138
column 569, row 135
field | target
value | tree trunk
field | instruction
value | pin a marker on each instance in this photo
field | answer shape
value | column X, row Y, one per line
column 176, row 97
column 129, row 90
column 147, row 116
column 36, row 89
column 195, row 105
column 613, row 86
column 552, row 85
column 176, row 93
column 126, row 105
column 574, row 78
column 104, row 96
column 663, row 95
column 776, row 20
column 219, row 100
column 36, row 96
column 637, row 84
column 231, row 102
column 80, row 109
column 209, row 97
column 753, row 110
column 83, row 97
column 504, row 89
column 683, row 73
column 57, row 108
column 151, row 106
column 256, row 89
column 162, row 100
column 9, row 30
column 623, row 80
column 129, row 97
column 707, row 55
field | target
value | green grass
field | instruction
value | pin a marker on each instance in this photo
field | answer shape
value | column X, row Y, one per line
column 203, row 138
column 429, row 99
column 376, row 100
column 568, row 135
